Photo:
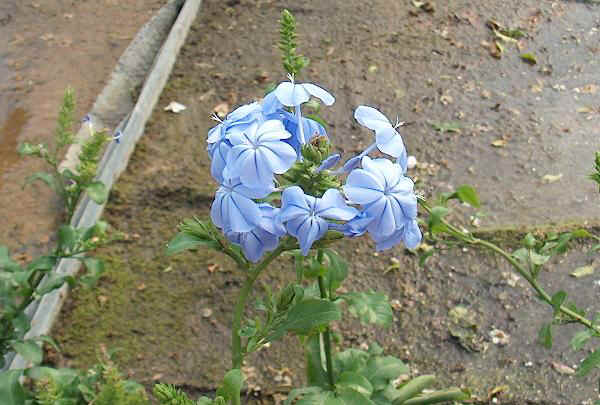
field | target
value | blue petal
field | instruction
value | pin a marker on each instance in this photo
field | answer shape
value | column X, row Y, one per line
column 371, row 118
column 329, row 162
column 384, row 223
column 290, row 94
column 333, row 206
column 389, row 141
column 279, row 155
column 271, row 130
column 363, row 187
column 244, row 214
column 219, row 160
column 319, row 93
column 271, row 104
column 412, row 235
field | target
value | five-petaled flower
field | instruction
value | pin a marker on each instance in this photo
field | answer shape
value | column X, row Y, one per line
column 385, row 194
column 305, row 216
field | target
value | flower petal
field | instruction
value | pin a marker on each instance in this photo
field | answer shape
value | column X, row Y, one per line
column 243, row 213
column 389, row 141
column 290, row 94
column 319, row 93
column 279, row 155
column 412, row 235
column 333, row 206
column 271, row 130
column 371, row 118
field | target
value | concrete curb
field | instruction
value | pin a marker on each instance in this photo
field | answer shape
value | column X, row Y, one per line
column 136, row 61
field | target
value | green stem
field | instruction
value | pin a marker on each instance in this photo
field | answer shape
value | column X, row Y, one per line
column 251, row 276
column 470, row 239
column 327, row 333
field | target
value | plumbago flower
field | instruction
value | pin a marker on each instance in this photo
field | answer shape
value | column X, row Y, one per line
column 260, row 145
column 306, row 216
column 387, row 197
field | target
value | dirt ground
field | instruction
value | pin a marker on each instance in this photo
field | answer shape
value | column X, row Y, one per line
column 526, row 140
column 47, row 46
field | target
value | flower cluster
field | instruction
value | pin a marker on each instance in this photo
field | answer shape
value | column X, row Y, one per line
column 268, row 151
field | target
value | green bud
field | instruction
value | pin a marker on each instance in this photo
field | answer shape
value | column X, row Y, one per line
column 529, row 241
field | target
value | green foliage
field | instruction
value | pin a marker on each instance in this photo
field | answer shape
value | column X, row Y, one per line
column 369, row 307
column 67, row 184
column 292, row 62
column 595, row 176
column 22, row 284
column 103, row 384
column 64, row 134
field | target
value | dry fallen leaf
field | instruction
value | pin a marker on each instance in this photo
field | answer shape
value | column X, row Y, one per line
column 222, row 109
column 175, row 107
column 562, row 368
column 499, row 143
column 551, row 178
column 583, row 271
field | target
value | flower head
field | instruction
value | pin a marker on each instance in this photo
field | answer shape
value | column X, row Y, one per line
column 292, row 94
column 305, row 216
column 385, row 194
column 259, row 152
column 233, row 209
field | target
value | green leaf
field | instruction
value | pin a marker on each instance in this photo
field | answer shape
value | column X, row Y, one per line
column 338, row 270
column 6, row 262
column 369, row 307
column 356, row 382
column 580, row 338
column 30, row 350
column 538, row 259
column 232, row 385
column 353, row 397
column 97, row 191
column 434, row 222
column 11, row 391
column 98, row 229
column 315, row 373
column 45, row 178
column 53, row 282
column 350, row 360
column 450, row 395
column 581, row 233
column 298, row 392
column 42, row 263
column 47, row 339
column 529, row 58
column 95, row 269
column 558, row 299
column 413, row 388
column 381, row 370
column 320, row 398
column 590, row 362
column 67, row 238
column 545, row 336
column 309, row 314
column 186, row 241
column 467, row 194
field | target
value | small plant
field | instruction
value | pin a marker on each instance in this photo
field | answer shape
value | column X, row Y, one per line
column 595, row 176
column 103, row 384
column 68, row 184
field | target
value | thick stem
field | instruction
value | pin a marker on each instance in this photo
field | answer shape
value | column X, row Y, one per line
column 327, row 333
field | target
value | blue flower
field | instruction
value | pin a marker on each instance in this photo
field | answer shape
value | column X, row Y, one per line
column 357, row 226
column 387, row 139
column 259, row 152
column 409, row 233
column 263, row 238
column 291, row 94
column 305, row 216
column 385, row 194
column 218, row 153
column 310, row 128
column 234, row 210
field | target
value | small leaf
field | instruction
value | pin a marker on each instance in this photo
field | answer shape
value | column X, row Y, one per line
column 381, row 370
column 232, row 385
column 446, row 126
column 581, row 233
column 67, row 237
column 95, row 269
column 186, row 241
column 298, row 392
column 467, row 194
column 580, row 339
column 583, row 271
column 353, row 397
column 315, row 373
column 590, row 362
column 47, row 339
column 435, row 223
column 529, row 241
column 53, row 282
column 558, row 299
column 338, row 270
column 44, row 177
column 499, row 143
column 30, row 351
column 97, row 191
column 356, row 382
column 529, row 58
column 369, row 307
column 11, row 391
column 545, row 336
column 538, row 259
column 307, row 315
